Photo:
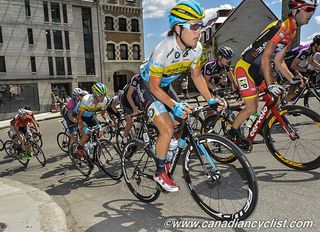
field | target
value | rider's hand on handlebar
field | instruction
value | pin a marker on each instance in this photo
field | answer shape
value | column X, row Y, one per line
column 217, row 103
column 181, row 110
column 298, row 79
column 275, row 89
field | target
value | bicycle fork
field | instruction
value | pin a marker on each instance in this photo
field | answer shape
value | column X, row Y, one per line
column 285, row 125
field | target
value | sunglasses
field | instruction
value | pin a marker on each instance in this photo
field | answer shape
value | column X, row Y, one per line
column 309, row 9
column 193, row 26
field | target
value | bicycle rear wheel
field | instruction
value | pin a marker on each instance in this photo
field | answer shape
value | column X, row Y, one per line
column 1, row 145
column 226, row 193
column 109, row 159
column 15, row 153
column 37, row 152
column 303, row 152
column 63, row 140
column 138, row 168
column 83, row 165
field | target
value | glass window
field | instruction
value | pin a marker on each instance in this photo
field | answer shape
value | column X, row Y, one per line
column 122, row 24
column 88, row 41
column 1, row 38
column 123, row 51
column 136, row 52
column 66, row 37
column 30, row 36
column 108, row 21
column 55, row 12
column 69, row 66
column 48, row 37
column 111, row 52
column 2, row 64
column 33, row 64
column 57, row 38
column 50, row 64
column 45, row 11
column 65, row 13
column 60, row 66
column 27, row 6
column 134, row 25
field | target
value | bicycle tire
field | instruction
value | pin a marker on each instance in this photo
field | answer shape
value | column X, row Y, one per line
column 119, row 133
column 84, row 166
column 1, row 145
column 106, row 129
column 138, row 171
column 37, row 152
column 219, row 125
column 235, row 207
column 307, row 100
column 63, row 140
column 308, row 127
column 109, row 159
column 10, row 152
column 37, row 138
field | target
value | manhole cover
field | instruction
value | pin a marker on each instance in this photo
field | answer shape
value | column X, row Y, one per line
column 3, row 226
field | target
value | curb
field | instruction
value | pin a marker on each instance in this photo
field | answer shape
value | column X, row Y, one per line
column 28, row 208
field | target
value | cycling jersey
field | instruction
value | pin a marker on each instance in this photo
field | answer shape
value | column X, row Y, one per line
column 300, row 52
column 89, row 107
column 213, row 70
column 23, row 123
column 71, row 104
column 168, row 61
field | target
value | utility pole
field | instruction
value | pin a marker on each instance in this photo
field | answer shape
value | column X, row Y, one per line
column 285, row 13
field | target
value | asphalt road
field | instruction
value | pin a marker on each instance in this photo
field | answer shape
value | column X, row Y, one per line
column 102, row 204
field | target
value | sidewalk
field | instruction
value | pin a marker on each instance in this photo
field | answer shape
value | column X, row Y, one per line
column 39, row 117
column 24, row 208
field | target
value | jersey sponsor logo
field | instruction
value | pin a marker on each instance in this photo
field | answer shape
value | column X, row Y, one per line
column 177, row 55
column 243, row 83
column 170, row 52
column 150, row 112
column 281, row 35
column 176, row 68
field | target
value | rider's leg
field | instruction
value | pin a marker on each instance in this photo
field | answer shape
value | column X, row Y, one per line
column 127, row 128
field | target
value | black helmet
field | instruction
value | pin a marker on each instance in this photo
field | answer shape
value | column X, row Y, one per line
column 316, row 39
column 225, row 52
column 293, row 4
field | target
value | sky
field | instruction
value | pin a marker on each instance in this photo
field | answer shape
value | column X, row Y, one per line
column 156, row 24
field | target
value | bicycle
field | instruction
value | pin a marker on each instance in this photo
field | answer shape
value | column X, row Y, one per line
column 16, row 152
column 280, row 125
column 36, row 136
column 1, row 145
column 224, row 191
column 102, row 153
column 63, row 138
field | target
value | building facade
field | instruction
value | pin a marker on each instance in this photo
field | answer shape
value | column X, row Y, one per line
column 50, row 47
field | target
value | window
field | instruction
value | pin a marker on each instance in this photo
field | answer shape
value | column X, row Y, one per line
column 60, row 66
column 66, row 37
column 55, row 12
column 134, row 25
column 50, row 63
column 122, row 24
column 123, row 51
column 30, row 36
column 33, row 64
column 136, row 52
column 88, row 41
column 48, row 37
column 108, row 21
column 2, row 64
column 111, row 52
column 27, row 6
column 1, row 38
column 69, row 66
column 57, row 38
column 65, row 13
column 45, row 11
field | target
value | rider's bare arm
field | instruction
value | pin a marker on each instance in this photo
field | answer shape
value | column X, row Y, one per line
column 130, row 100
column 266, row 62
column 210, row 85
column 314, row 62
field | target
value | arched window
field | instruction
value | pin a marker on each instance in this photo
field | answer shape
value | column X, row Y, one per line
column 123, row 51
column 122, row 24
column 134, row 25
column 108, row 22
column 136, row 52
column 111, row 53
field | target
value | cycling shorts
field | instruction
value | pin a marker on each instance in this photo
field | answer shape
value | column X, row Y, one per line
column 89, row 122
column 25, row 131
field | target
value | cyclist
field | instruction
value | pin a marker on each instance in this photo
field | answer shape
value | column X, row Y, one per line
column 179, row 52
column 212, row 70
column 86, row 109
column 129, row 102
column 253, row 70
column 22, row 131
column 70, row 113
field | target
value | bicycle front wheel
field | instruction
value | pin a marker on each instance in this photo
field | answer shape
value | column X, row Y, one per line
column 109, row 159
column 83, row 165
column 16, row 154
column 302, row 152
column 37, row 152
column 63, row 140
column 224, row 191
column 138, row 168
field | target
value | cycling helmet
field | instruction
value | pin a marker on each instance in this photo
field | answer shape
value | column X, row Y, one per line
column 84, row 93
column 316, row 39
column 22, row 111
column 99, row 88
column 294, row 4
column 225, row 52
column 77, row 92
column 185, row 11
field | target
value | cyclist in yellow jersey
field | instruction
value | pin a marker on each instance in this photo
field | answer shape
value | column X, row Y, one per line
column 253, row 71
column 179, row 52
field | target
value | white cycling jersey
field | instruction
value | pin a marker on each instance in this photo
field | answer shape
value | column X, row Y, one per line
column 87, row 104
column 168, row 61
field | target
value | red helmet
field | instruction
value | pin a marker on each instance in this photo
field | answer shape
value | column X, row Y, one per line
column 293, row 4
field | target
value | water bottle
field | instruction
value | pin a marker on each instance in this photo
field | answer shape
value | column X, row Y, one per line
column 251, row 119
column 172, row 147
column 146, row 137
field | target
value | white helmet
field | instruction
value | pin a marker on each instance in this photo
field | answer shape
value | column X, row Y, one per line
column 22, row 111
column 77, row 92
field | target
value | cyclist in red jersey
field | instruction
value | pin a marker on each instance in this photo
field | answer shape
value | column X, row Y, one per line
column 253, row 71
